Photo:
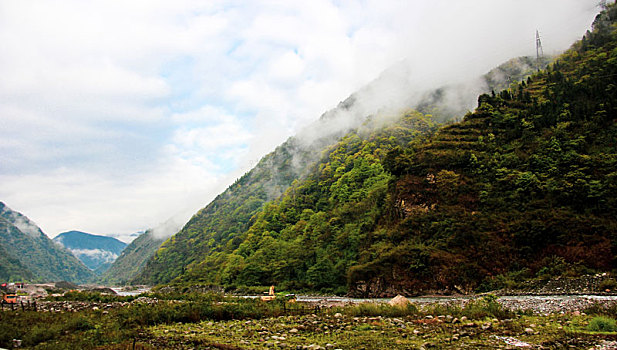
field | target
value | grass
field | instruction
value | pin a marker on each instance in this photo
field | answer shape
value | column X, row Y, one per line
column 375, row 309
column 481, row 308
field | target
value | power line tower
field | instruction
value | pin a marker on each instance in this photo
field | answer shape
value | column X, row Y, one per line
column 539, row 50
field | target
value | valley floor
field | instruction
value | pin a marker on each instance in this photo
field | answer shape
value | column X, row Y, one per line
column 488, row 322
column 343, row 332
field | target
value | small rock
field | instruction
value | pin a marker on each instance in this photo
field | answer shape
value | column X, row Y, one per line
column 529, row 330
column 293, row 330
column 338, row 315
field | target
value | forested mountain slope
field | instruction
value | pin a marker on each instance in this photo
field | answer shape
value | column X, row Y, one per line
column 33, row 256
column 310, row 236
column 522, row 187
column 132, row 259
column 11, row 269
column 228, row 215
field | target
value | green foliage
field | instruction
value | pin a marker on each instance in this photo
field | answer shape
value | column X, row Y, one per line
column 477, row 309
column 524, row 183
column 602, row 324
column 140, row 315
column 609, row 283
column 91, row 297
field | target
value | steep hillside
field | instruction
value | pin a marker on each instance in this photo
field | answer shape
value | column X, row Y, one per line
column 311, row 235
column 131, row 260
column 27, row 244
column 96, row 252
column 525, row 187
column 228, row 216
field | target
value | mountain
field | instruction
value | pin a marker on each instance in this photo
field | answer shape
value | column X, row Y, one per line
column 132, row 259
column 521, row 188
column 229, row 214
column 96, row 252
column 32, row 256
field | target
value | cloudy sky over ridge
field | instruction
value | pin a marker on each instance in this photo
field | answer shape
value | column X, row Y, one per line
column 116, row 115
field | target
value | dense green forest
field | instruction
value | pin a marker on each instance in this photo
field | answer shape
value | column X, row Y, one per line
column 228, row 215
column 523, row 187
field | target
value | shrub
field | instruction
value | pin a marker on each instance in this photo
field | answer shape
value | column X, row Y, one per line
column 91, row 296
column 79, row 323
column 608, row 283
column 602, row 324
column 486, row 306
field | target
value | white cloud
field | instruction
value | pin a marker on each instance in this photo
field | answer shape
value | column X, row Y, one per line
column 22, row 223
column 116, row 115
column 102, row 256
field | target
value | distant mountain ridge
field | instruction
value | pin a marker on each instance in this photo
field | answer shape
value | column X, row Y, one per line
column 95, row 251
column 31, row 256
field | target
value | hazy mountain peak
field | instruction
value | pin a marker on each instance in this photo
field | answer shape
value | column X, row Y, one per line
column 20, row 221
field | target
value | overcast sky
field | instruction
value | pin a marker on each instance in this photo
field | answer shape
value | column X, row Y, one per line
column 117, row 115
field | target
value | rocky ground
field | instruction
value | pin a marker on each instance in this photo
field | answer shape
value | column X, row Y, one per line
column 533, row 304
column 346, row 332
column 598, row 284
column 554, row 322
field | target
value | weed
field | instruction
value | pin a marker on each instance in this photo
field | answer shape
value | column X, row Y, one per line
column 602, row 324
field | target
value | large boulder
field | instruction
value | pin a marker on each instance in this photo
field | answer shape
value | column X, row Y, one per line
column 400, row 301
